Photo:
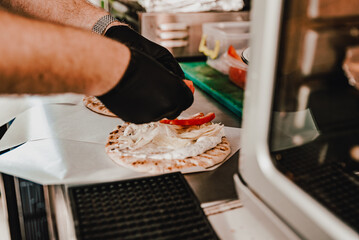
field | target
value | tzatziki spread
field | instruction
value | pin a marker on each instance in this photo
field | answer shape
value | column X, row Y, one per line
column 163, row 141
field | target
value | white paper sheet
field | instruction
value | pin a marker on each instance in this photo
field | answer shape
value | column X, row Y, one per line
column 300, row 128
column 66, row 144
column 12, row 105
column 57, row 161
column 72, row 122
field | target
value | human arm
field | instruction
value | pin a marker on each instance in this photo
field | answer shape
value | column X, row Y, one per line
column 82, row 14
column 76, row 13
column 42, row 58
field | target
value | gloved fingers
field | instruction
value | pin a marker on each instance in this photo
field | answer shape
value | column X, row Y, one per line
column 172, row 115
column 169, row 62
column 131, row 38
column 132, row 113
column 147, row 92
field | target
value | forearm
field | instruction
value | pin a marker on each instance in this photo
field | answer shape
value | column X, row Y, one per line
column 77, row 13
column 42, row 58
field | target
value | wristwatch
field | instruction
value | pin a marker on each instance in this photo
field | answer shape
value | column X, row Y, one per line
column 101, row 25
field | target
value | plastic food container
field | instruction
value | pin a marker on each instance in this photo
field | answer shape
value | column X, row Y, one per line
column 217, row 37
column 237, row 71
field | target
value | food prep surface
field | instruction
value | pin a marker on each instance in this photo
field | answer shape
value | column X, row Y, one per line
column 218, row 184
column 215, row 185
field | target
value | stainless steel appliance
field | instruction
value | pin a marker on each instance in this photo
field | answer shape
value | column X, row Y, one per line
column 298, row 166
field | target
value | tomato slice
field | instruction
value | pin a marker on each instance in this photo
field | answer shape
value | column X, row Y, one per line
column 233, row 53
column 189, row 84
column 197, row 119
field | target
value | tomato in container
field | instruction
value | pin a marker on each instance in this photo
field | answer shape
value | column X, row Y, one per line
column 238, row 66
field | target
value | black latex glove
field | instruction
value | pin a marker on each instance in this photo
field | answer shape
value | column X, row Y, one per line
column 147, row 92
column 131, row 38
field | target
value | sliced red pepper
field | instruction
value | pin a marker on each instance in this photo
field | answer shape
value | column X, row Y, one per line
column 189, row 84
column 233, row 53
column 165, row 120
column 197, row 119
column 198, row 115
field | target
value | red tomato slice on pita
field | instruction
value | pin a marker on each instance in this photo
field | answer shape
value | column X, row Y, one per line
column 197, row 119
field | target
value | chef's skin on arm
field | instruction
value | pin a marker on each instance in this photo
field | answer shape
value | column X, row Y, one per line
column 47, row 47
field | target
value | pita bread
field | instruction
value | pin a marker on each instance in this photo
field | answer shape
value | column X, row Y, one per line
column 95, row 105
column 207, row 159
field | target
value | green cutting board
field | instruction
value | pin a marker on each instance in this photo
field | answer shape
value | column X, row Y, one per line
column 215, row 84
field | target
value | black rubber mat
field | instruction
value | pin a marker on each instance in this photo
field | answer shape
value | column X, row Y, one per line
column 156, row 207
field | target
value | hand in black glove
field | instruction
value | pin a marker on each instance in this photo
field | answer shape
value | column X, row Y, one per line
column 131, row 38
column 147, row 92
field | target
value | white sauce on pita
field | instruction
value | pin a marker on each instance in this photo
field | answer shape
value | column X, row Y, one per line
column 163, row 141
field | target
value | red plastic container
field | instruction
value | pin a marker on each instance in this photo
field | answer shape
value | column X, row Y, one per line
column 238, row 68
column 238, row 76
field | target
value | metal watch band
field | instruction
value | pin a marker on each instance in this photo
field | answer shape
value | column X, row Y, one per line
column 101, row 25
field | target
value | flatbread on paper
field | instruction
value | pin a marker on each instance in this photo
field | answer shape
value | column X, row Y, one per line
column 95, row 105
column 207, row 159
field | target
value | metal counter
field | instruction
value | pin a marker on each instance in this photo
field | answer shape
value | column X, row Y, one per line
column 218, row 184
